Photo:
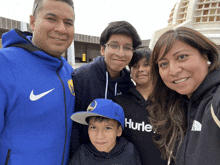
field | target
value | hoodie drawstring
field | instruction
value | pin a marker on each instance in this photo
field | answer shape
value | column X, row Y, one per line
column 106, row 86
column 116, row 84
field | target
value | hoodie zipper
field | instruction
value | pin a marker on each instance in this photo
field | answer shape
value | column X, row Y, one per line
column 64, row 149
column 8, row 156
column 187, row 132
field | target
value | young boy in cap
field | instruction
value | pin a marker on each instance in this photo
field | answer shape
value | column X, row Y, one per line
column 105, row 120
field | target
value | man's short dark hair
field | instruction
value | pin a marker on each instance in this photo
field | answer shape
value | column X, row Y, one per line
column 120, row 27
column 38, row 5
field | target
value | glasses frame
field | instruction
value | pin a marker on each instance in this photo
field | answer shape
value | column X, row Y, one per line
column 119, row 47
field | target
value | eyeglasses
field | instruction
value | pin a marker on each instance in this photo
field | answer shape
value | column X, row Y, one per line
column 115, row 48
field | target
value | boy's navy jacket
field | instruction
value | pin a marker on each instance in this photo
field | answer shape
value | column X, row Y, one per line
column 201, row 145
column 92, row 81
column 36, row 102
column 124, row 153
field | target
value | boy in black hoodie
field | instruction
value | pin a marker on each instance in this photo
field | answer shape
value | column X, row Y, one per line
column 106, row 76
column 106, row 121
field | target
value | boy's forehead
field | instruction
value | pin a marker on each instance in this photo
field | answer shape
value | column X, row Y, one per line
column 115, row 37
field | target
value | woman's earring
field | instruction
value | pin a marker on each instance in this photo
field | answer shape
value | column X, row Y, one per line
column 209, row 62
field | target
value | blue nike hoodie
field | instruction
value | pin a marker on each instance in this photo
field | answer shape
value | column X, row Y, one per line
column 36, row 102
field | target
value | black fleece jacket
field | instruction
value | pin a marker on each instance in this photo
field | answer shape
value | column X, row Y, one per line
column 201, row 145
column 137, row 127
column 124, row 153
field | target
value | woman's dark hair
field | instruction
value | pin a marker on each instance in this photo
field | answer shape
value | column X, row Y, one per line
column 120, row 27
column 166, row 114
column 140, row 53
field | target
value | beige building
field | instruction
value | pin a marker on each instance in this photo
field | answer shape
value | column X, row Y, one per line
column 201, row 15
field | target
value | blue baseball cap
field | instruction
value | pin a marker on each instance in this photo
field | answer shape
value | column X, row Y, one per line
column 101, row 107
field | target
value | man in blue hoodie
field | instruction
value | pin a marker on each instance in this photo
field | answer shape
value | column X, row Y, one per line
column 36, row 89
column 106, row 76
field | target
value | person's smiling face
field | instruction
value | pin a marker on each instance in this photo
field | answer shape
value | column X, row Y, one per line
column 103, row 134
column 183, row 68
column 53, row 27
column 117, row 60
column 140, row 72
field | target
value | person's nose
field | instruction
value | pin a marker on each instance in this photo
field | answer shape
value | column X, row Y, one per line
column 141, row 68
column 100, row 134
column 60, row 27
column 120, row 52
column 174, row 68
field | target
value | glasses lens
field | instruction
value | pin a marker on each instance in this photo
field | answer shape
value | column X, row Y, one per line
column 115, row 48
column 127, row 49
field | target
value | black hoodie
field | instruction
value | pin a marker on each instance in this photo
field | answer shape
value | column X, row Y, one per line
column 124, row 153
column 201, row 145
column 92, row 81
column 137, row 127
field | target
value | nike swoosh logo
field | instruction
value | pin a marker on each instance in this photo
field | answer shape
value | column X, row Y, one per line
column 215, row 117
column 34, row 97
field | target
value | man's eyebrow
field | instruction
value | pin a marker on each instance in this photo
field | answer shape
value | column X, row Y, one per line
column 54, row 15
column 51, row 14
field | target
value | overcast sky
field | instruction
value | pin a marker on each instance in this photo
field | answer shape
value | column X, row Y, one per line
column 92, row 16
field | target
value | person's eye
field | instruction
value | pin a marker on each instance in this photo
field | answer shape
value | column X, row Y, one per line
column 92, row 127
column 69, row 23
column 114, row 46
column 108, row 128
column 134, row 66
column 146, row 64
column 126, row 48
column 182, row 56
column 51, row 19
column 162, row 64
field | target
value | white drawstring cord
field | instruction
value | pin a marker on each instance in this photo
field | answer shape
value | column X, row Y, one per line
column 106, row 87
column 168, row 163
column 116, row 84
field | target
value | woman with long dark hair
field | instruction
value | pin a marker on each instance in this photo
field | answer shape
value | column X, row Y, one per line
column 184, row 106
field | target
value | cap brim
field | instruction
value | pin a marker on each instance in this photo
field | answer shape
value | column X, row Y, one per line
column 80, row 117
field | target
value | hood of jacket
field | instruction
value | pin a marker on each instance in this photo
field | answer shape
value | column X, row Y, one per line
column 119, row 147
column 17, row 38
column 138, row 97
column 199, row 119
column 97, row 70
column 102, row 70
column 211, row 80
column 124, row 81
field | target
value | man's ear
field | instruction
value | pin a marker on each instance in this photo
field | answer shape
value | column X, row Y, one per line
column 32, row 22
column 119, row 133
column 102, row 51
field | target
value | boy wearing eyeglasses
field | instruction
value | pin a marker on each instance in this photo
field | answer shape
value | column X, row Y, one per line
column 105, row 120
column 106, row 76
